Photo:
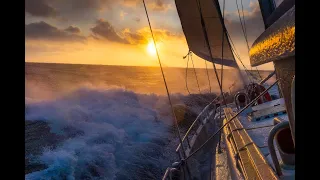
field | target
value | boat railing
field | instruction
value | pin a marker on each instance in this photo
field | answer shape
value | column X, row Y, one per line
column 198, row 120
column 183, row 161
column 167, row 174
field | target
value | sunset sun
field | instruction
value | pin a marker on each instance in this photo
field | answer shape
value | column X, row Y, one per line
column 151, row 48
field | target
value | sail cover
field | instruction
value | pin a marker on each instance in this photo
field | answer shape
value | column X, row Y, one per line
column 188, row 11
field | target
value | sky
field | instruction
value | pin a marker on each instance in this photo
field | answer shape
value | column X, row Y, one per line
column 116, row 32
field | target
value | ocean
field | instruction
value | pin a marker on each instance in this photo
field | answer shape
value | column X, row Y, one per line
column 108, row 122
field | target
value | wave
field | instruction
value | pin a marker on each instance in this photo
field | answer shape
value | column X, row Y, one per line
column 101, row 134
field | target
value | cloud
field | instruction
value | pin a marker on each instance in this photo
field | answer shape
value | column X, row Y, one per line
column 44, row 31
column 72, row 29
column 130, row 3
column 155, row 5
column 101, row 31
column 105, row 30
column 253, row 22
column 143, row 35
column 39, row 8
column 82, row 10
column 160, row 5
column 67, row 9
column 134, row 38
column 95, row 5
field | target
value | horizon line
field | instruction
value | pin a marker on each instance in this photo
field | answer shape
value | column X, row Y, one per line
column 128, row 65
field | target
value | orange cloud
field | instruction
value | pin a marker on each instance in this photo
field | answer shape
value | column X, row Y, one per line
column 143, row 35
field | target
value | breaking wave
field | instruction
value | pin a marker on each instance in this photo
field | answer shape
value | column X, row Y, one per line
column 100, row 134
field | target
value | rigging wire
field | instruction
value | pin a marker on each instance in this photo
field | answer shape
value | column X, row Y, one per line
column 164, row 79
column 233, row 49
column 242, row 27
column 187, row 76
column 222, row 44
column 194, row 70
column 186, row 79
column 208, row 76
column 244, row 30
column 210, row 52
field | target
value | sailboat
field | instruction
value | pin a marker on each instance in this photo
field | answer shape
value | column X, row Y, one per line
column 252, row 137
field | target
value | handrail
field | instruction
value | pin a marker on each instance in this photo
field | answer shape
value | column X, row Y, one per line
column 243, row 109
column 194, row 122
column 267, row 78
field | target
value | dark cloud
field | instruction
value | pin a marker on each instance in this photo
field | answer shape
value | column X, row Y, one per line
column 87, row 4
column 105, row 30
column 67, row 9
column 44, row 31
column 39, row 8
column 135, row 38
column 72, row 29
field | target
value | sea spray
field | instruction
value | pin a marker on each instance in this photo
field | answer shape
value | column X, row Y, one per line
column 103, row 122
column 108, row 134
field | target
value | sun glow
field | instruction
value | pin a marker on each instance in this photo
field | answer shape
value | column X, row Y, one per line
column 151, row 48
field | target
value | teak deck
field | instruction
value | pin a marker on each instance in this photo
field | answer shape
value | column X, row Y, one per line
column 253, row 163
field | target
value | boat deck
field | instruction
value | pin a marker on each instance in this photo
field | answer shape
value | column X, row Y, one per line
column 253, row 164
column 260, row 138
column 256, row 132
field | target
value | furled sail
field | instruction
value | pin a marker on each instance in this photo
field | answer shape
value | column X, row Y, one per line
column 190, row 17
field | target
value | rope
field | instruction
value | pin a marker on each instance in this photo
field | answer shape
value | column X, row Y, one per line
column 164, row 79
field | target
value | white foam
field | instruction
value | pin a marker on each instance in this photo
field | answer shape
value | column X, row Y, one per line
column 119, row 129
